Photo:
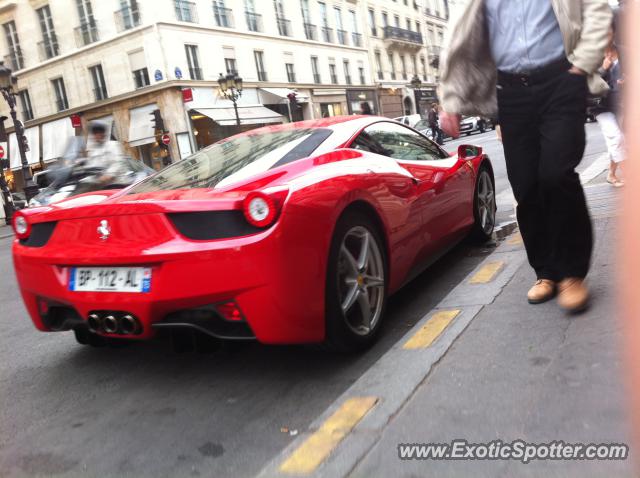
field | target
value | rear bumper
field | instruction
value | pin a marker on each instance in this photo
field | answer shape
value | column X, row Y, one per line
column 253, row 271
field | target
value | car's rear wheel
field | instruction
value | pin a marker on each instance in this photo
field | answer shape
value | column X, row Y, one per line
column 356, row 289
column 484, row 206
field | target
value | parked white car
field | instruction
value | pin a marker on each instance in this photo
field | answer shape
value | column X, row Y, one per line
column 410, row 120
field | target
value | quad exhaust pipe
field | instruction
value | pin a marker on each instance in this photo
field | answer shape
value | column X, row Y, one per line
column 113, row 323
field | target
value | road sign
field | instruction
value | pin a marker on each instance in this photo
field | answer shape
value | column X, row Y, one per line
column 165, row 139
column 1, row 152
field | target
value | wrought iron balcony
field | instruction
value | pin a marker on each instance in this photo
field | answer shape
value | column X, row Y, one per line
column 356, row 39
column 14, row 60
column 327, row 34
column 284, row 26
column 127, row 18
column 195, row 73
column 100, row 93
column 86, row 34
column 254, row 21
column 223, row 16
column 316, row 78
column 342, row 37
column 310, row 31
column 401, row 37
column 48, row 49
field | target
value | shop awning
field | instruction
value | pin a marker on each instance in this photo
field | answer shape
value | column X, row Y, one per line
column 247, row 114
column 55, row 138
column 272, row 96
column 33, row 141
column 141, row 129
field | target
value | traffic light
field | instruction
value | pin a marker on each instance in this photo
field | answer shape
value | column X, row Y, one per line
column 157, row 122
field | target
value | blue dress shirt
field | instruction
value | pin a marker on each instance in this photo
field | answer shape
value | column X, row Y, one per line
column 524, row 34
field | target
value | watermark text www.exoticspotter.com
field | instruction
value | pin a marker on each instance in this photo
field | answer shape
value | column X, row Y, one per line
column 515, row 450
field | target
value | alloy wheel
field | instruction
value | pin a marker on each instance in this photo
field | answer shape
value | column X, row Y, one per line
column 486, row 203
column 361, row 280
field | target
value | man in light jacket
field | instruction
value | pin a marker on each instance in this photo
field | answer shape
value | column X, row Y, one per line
column 534, row 61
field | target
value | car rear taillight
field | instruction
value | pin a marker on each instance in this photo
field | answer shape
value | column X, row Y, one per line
column 230, row 311
column 21, row 226
column 261, row 209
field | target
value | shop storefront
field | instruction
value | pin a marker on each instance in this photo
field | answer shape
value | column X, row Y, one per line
column 362, row 102
column 424, row 98
column 329, row 102
column 390, row 100
column 214, row 118
column 279, row 100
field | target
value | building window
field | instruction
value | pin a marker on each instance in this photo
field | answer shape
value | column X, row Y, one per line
column 385, row 19
column 195, row 72
column 378, row 65
column 254, row 20
column 361, row 73
column 342, row 35
column 418, row 27
column 291, row 74
column 284, row 25
column 332, row 73
column 403, row 63
column 356, row 38
column 141, row 77
column 408, row 24
column 396, row 21
column 327, row 32
column 25, row 102
column 258, row 56
column 414, row 62
column 49, row 45
column 423, row 65
column 230, row 65
column 315, row 70
column 392, row 66
column 347, row 71
column 99, row 85
column 62, row 103
column 222, row 15
column 87, row 32
column 15, row 53
column 372, row 23
column 128, row 16
column 186, row 11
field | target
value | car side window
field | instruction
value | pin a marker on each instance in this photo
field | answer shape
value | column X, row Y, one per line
column 396, row 141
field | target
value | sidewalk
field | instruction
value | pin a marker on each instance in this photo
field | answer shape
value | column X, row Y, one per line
column 484, row 366
column 5, row 230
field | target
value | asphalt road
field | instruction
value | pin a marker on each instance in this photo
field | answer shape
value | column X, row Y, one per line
column 70, row 410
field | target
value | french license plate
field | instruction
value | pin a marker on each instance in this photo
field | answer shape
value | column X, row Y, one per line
column 110, row 279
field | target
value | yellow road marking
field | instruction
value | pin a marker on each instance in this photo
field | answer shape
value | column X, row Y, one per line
column 515, row 240
column 431, row 330
column 308, row 456
column 487, row 273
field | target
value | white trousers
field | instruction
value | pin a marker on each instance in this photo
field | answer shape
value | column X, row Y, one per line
column 612, row 135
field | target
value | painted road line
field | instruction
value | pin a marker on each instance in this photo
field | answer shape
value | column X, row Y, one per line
column 315, row 449
column 487, row 272
column 431, row 330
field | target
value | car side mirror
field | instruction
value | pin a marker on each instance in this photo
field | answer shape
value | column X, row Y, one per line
column 467, row 151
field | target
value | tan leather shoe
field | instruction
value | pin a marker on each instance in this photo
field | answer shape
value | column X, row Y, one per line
column 573, row 294
column 542, row 291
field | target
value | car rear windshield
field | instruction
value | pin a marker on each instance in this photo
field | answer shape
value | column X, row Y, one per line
column 236, row 158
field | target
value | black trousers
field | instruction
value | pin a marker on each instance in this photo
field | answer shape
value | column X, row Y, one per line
column 542, row 121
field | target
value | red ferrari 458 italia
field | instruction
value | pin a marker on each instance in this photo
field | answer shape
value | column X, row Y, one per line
column 294, row 233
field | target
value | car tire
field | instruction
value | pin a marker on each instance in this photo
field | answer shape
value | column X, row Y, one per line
column 354, row 281
column 484, row 206
column 481, row 127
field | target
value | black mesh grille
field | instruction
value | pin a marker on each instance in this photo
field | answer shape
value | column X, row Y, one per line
column 208, row 225
column 40, row 234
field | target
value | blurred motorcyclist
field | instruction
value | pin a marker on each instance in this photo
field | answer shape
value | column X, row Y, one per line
column 104, row 154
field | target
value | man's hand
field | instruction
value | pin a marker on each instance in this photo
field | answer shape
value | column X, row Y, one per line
column 450, row 124
column 574, row 70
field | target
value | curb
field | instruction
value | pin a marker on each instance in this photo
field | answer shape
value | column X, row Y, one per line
column 391, row 381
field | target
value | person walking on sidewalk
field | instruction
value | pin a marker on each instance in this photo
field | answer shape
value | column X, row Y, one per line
column 432, row 118
column 608, row 114
column 533, row 62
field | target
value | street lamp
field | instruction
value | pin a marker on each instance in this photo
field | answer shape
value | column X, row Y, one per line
column 231, row 88
column 6, row 86
column 416, row 83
